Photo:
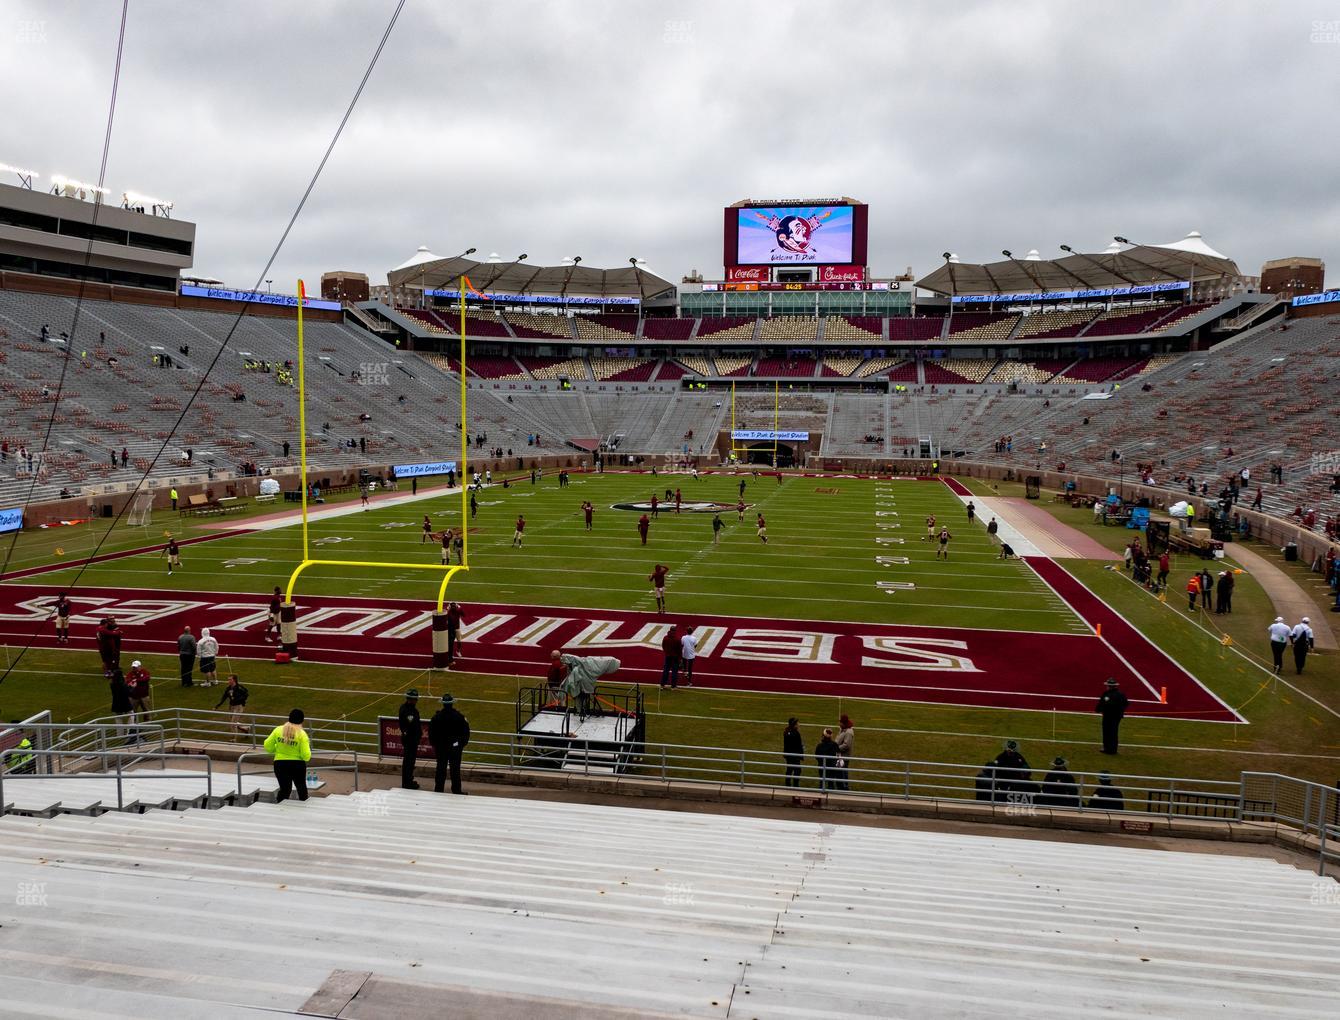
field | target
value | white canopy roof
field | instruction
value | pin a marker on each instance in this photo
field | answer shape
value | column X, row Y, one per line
column 1120, row 264
column 430, row 272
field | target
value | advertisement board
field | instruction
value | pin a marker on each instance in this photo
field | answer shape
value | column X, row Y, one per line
column 746, row 274
column 768, row 435
column 842, row 274
column 389, row 744
column 256, row 298
column 439, row 467
column 11, row 520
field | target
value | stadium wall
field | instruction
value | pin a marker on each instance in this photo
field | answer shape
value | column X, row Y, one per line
column 137, row 296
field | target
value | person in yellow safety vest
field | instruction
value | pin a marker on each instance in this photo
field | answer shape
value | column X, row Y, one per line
column 292, row 751
column 173, row 494
column 21, row 761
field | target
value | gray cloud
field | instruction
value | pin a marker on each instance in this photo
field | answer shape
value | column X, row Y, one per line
column 611, row 129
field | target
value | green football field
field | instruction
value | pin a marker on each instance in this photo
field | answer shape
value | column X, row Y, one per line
column 820, row 564
column 820, row 561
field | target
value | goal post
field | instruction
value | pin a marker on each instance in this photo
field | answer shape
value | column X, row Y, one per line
column 448, row 571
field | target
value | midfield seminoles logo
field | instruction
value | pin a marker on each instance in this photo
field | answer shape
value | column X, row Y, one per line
column 689, row 506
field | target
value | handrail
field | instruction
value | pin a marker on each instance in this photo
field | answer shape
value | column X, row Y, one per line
column 310, row 767
column 118, row 774
column 1311, row 809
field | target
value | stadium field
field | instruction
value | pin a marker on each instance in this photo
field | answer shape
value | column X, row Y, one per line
column 800, row 625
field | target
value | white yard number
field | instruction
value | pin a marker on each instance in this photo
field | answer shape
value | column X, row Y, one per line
column 240, row 561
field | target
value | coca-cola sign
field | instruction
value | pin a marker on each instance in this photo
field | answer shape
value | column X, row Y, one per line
column 841, row 274
column 747, row 274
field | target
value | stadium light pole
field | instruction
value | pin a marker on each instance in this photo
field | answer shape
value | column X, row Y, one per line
column 953, row 285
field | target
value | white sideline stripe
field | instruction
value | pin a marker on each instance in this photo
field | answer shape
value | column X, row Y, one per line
column 1005, row 529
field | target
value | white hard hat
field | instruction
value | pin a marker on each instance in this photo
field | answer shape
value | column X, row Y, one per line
column 135, row 664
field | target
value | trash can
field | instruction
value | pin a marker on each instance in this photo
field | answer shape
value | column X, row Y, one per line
column 1291, row 552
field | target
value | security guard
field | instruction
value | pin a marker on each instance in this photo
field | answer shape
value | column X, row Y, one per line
column 450, row 732
column 1112, row 706
column 411, row 730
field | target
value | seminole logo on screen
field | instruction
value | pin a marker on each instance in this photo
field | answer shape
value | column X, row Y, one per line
column 791, row 234
column 689, row 506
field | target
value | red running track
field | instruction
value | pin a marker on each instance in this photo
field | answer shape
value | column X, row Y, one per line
column 994, row 669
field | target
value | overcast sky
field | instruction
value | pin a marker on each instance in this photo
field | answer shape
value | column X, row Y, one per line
column 616, row 129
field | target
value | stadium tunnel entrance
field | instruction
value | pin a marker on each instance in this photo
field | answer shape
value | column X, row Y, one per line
column 762, row 452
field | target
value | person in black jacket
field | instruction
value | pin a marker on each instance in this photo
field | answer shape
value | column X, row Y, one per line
column 121, row 707
column 793, row 750
column 1059, row 788
column 411, row 732
column 1013, row 772
column 236, row 696
column 1107, row 797
column 1112, row 706
column 826, row 754
column 449, row 732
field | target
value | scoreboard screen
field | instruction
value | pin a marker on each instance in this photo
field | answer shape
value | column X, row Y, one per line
column 795, row 234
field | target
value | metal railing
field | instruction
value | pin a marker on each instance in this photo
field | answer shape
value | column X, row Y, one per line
column 120, row 760
column 1311, row 809
column 353, row 767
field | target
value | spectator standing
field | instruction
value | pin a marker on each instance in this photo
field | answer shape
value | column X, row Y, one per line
column 671, row 650
column 121, row 707
column 139, row 684
column 1223, row 602
column 208, row 649
column 1280, row 633
column 846, row 742
column 235, row 696
column 688, row 651
column 109, row 645
column 793, row 751
column 292, row 750
column 449, row 732
column 1206, row 587
column 1192, row 590
column 186, row 651
column 826, row 754
column 411, row 732
column 1303, row 642
column 455, row 617
column 1112, row 705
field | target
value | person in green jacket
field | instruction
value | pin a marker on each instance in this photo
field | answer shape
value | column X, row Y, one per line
column 292, row 751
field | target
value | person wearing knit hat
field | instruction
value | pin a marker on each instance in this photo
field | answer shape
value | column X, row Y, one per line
column 1279, row 632
column 1303, row 642
column 1059, row 787
column 411, row 732
column 1112, row 705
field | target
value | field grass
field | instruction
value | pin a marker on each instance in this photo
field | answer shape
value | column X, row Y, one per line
column 819, row 565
